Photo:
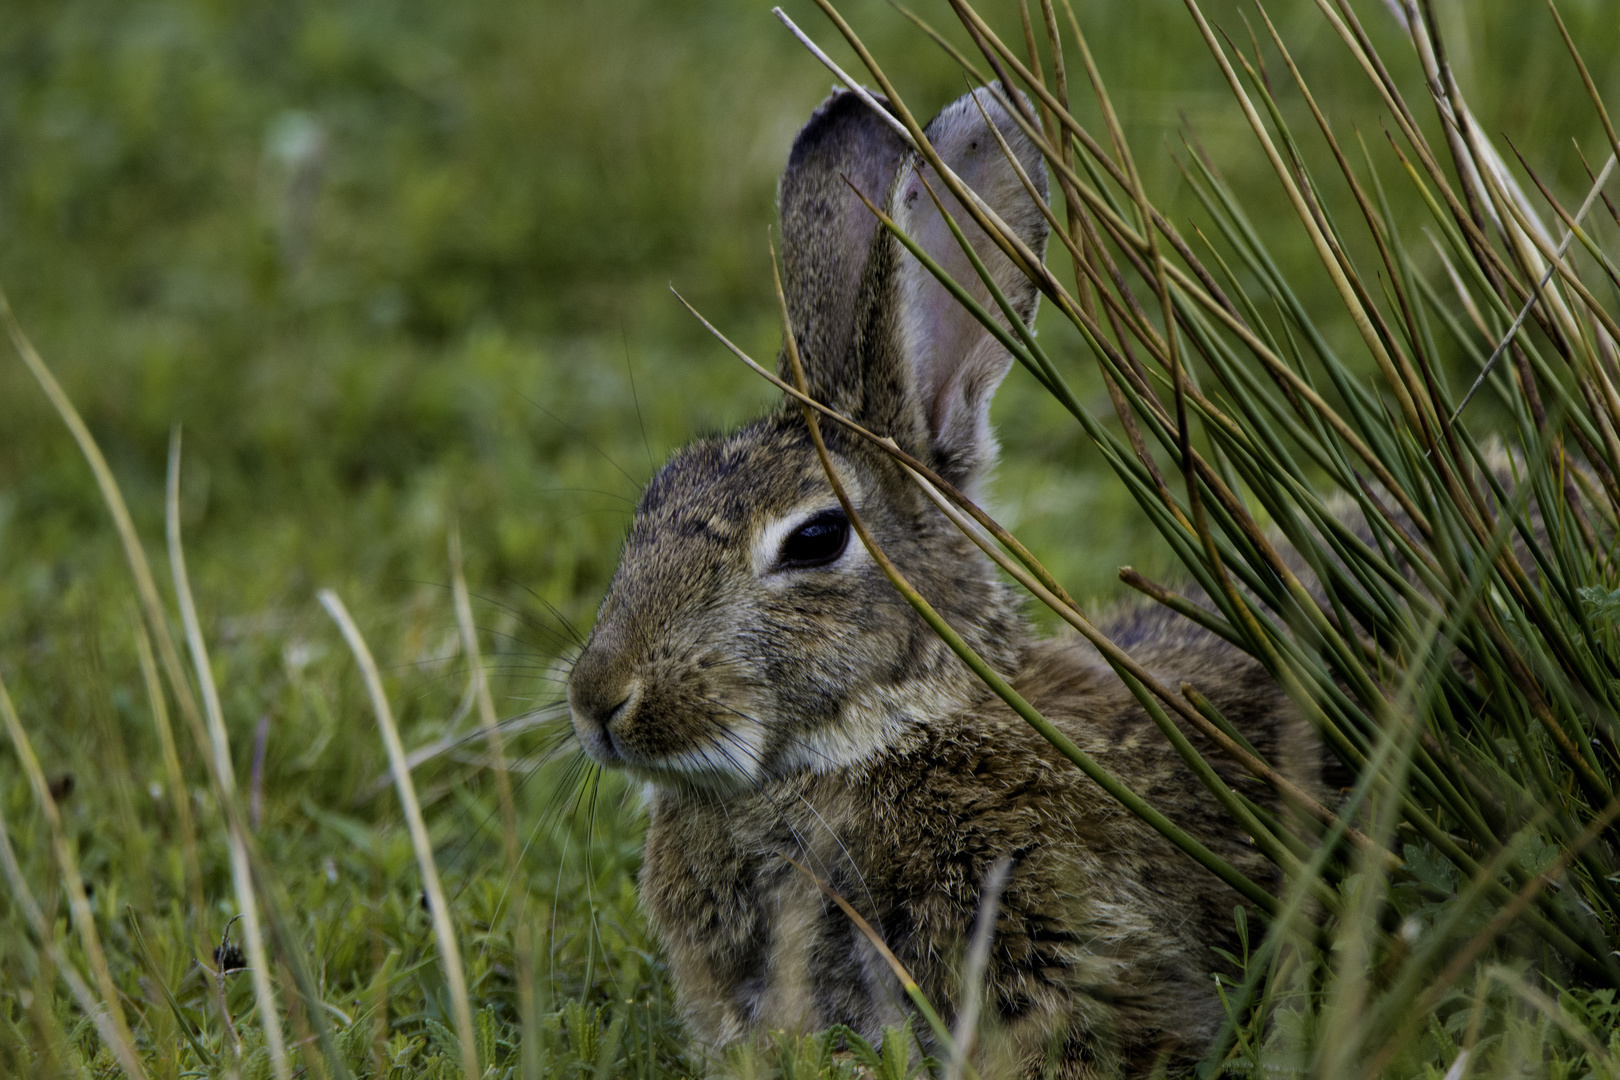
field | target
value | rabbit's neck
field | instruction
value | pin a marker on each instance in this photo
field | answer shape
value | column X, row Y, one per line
column 879, row 720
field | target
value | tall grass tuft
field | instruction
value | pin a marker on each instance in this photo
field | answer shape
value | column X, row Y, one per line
column 1436, row 595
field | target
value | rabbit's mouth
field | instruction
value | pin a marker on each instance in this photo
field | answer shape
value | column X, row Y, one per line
column 665, row 738
column 599, row 741
column 594, row 718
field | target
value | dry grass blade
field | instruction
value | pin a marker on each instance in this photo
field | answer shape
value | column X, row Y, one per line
column 909, row 984
column 486, row 705
column 178, row 795
column 1319, row 240
column 443, row 929
column 522, row 947
column 852, row 84
column 117, row 1032
column 1355, row 41
column 978, row 962
column 247, row 904
column 145, row 584
column 1524, row 312
column 1541, row 249
column 157, row 621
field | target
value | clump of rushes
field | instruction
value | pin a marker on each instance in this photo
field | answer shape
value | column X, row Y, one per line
column 1437, row 600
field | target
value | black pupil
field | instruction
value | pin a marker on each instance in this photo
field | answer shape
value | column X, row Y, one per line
column 818, row 541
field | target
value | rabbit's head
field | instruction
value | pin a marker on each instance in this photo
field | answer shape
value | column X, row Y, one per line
column 747, row 633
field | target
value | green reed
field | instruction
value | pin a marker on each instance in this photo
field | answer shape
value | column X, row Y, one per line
column 1455, row 652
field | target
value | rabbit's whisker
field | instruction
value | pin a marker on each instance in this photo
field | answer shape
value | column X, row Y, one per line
column 526, row 773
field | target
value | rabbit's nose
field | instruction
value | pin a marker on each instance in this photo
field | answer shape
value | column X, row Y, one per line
column 600, row 692
column 624, row 707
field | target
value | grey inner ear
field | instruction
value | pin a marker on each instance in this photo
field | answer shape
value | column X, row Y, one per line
column 956, row 365
column 827, row 234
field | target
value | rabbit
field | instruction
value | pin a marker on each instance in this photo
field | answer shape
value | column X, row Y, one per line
column 754, row 667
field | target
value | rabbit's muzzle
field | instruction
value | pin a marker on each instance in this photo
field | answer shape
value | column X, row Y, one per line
column 663, row 717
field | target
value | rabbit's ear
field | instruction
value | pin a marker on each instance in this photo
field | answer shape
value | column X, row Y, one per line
column 954, row 363
column 827, row 235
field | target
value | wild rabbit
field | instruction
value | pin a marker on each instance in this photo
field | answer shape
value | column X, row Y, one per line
column 756, row 668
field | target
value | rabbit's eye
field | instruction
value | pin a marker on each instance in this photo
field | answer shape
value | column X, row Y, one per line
column 817, row 542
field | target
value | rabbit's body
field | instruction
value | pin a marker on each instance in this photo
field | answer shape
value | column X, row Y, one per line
column 1105, row 935
column 756, row 667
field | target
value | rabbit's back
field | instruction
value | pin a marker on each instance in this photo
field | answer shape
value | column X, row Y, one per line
column 1105, row 933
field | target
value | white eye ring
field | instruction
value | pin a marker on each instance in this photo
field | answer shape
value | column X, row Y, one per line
column 766, row 548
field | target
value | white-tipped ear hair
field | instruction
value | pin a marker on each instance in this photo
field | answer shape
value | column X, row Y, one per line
column 956, row 364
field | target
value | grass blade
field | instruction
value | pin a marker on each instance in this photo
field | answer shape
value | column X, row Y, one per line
column 247, row 904
column 443, row 929
column 522, row 946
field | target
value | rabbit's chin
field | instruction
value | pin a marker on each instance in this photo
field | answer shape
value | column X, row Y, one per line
column 730, row 761
column 693, row 771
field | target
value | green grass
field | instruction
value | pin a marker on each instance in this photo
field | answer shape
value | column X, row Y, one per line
column 393, row 268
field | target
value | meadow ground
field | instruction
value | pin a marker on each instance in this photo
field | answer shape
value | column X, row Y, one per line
column 396, row 270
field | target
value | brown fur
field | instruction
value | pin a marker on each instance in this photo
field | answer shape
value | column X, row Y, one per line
column 782, row 710
column 1105, row 932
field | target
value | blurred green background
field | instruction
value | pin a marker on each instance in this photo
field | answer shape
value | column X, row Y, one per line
column 395, row 265
column 390, row 262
